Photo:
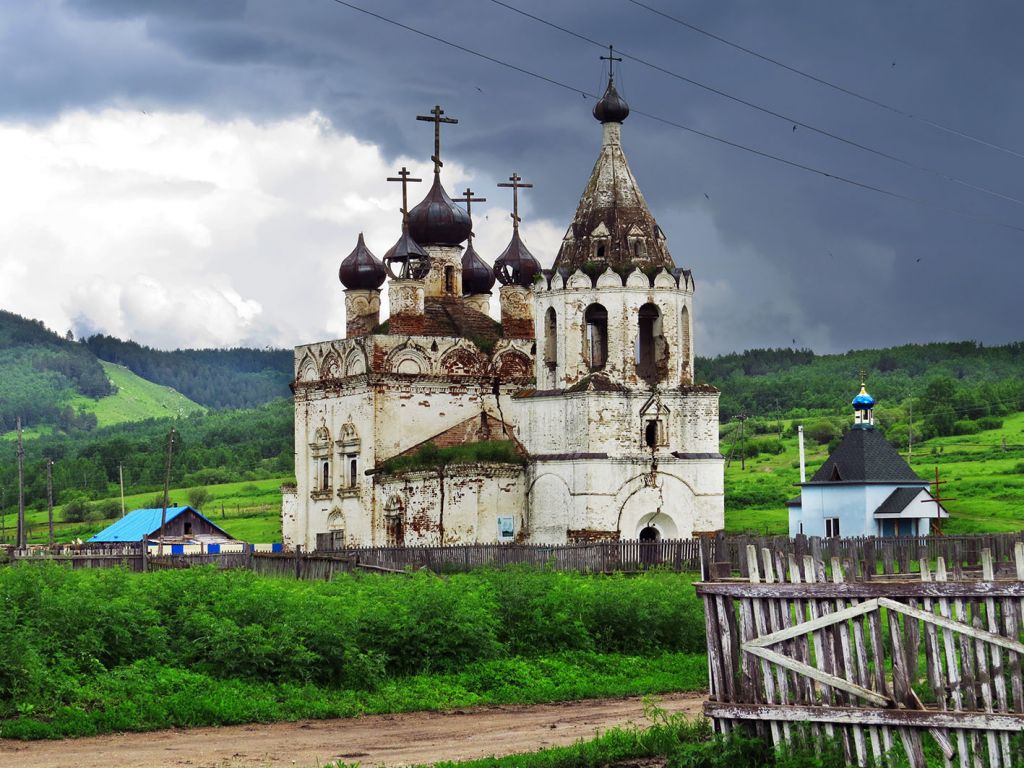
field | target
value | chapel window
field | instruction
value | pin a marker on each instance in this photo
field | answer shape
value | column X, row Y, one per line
column 651, row 434
column 685, row 349
column 596, row 340
column 325, row 476
column 600, row 251
column 353, row 471
column 449, row 280
column 551, row 338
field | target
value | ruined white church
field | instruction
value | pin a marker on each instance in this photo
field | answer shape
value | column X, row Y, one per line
column 575, row 418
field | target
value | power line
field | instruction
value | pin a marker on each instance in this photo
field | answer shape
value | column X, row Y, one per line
column 766, row 110
column 821, row 81
column 760, row 153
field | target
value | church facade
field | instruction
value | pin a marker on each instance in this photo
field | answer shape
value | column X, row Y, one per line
column 574, row 418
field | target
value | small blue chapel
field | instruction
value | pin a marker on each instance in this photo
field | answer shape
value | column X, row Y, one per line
column 864, row 488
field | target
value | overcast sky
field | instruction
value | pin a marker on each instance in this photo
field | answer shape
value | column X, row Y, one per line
column 191, row 173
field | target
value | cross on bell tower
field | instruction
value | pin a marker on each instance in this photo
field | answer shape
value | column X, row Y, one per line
column 468, row 199
column 611, row 58
column 435, row 118
column 516, row 185
column 403, row 177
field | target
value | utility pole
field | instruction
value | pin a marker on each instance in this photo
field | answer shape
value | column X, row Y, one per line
column 49, row 496
column 743, row 440
column 20, row 544
column 937, row 501
column 167, row 483
column 120, row 477
column 910, row 432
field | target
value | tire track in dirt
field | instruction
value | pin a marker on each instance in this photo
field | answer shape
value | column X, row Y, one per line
column 376, row 740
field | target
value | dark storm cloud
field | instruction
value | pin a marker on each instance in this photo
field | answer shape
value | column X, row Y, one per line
column 779, row 254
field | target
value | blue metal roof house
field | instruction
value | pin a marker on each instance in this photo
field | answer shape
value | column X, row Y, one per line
column 184, row 525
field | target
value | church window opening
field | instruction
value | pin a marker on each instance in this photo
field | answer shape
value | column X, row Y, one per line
column 325, row 476
column 832, row 527
column 353, row 471
column 651, row 434
column 551, row 338
column 449, row 280
column 596, row 341
column 600, row 251
column 650, row 345
column 650, row 533
column 394, row 529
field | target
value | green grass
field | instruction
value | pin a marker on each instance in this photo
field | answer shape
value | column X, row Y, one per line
column 984, row 478
column 93, row 651
column 249, row 510
column 136, row 399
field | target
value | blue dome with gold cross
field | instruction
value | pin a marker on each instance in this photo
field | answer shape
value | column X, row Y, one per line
column 863, row 401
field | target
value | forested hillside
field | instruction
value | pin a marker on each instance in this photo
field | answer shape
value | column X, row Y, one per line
column 216, row 378
column 216, row 447
column 973, row 380
column 41, row 372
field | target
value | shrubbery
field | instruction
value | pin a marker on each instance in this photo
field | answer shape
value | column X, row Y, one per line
column 68, row 636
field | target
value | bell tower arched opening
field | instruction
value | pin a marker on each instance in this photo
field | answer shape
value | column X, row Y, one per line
column 595, row 342
column 650, row 345
column 551, row 338
column 685, row 350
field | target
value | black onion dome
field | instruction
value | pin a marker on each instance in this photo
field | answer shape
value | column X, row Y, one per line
column 516, row 265
column 611, row 108
column 437, row 220
column 413, row 262
column 361, row 269
column 477, row 277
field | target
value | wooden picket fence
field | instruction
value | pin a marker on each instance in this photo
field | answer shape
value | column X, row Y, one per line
column 922, row 651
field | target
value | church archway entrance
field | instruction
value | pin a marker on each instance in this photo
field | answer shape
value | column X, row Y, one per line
column 649, row 549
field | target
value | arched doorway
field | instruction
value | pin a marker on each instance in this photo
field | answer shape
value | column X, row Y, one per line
column 649, row 549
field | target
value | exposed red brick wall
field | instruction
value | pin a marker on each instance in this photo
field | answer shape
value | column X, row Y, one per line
column 590, row 536
column 517, row 328
column 361, row 325
column 405, row 324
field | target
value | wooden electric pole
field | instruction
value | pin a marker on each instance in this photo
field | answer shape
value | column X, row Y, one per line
column 20, row 544
column 120, row 478
column 937, row 501
column 743, row 440
column 49, row 496
column 167, row 483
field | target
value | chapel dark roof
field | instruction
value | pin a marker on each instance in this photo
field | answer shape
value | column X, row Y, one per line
column 477, row 276
column 897, row 501
column 516, row 265
column 611, row 108
column 865, row 456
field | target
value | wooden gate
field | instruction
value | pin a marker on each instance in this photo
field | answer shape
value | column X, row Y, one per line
column 873, row 660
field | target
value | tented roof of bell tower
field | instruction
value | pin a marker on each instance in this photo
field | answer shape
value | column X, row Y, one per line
column 613, row 224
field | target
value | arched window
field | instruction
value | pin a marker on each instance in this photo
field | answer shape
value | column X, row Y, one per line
column 600, row 251
column 551, row 338
column 325, row 476
column 596, row 340
column 651, row 434
column 685, row 350
column 650, row 345
column 353, row 472
column 449, row 280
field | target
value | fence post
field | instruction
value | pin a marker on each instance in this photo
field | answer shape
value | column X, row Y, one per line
column 145, row 554
column 298, row 561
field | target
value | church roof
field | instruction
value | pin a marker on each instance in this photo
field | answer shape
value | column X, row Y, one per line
column 613, row 215
column 481, row 428
column 450, row 316
column 865, row 456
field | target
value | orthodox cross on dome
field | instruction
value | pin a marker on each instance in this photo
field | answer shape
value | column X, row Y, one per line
column 403, row 177
column 468, row 199
column 435, row 118
column 517, row 184
column 611, row 58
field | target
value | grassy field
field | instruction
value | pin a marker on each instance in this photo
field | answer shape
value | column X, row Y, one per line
column 248, row 510
column 136, row 399
column 987, row 481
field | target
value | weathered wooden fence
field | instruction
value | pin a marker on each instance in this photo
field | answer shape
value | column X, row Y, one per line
column 130, row 555
column 927, row 652
column 315, row 566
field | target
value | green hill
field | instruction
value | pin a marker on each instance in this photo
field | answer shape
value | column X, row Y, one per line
column 135, row 400
column 216, row 378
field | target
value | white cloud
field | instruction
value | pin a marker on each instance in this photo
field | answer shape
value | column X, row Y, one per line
column 177, row 230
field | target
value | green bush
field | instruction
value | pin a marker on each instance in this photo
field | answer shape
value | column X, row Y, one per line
column 989, row 422
column 822, row 431
column 966, row 427
column 76, row 511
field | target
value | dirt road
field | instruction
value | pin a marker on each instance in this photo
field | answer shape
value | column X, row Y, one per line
column 416, row 737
